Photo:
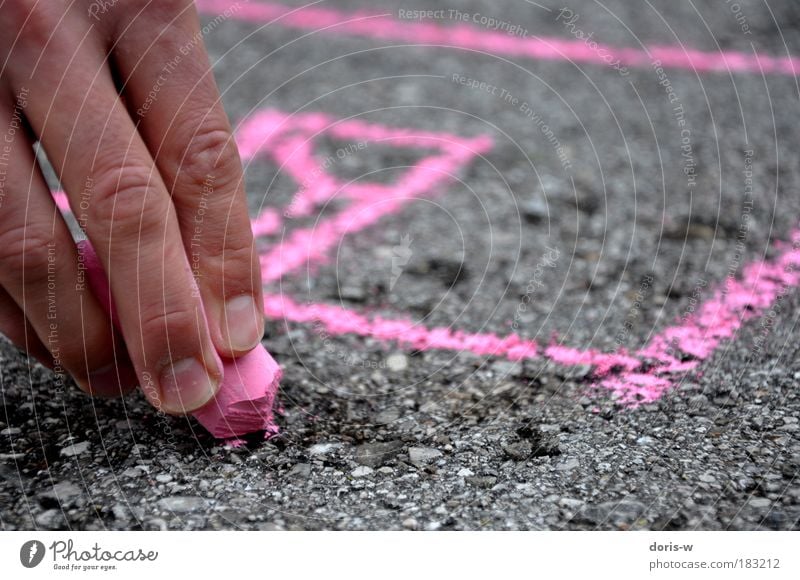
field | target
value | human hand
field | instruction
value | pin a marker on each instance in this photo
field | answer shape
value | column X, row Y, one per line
column 121, row 96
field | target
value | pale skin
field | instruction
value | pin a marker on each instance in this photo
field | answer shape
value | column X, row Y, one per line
column 121, row 97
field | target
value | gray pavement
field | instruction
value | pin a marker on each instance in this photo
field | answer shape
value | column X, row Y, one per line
column 376, row 436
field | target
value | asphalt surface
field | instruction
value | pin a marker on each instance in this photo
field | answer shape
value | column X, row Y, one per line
column 374, row 436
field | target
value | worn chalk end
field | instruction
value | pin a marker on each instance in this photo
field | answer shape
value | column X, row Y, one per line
column 245, row 400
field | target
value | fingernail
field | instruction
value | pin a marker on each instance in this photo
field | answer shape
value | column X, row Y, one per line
column 186, row 386
column 110, row 381
column 242, row 323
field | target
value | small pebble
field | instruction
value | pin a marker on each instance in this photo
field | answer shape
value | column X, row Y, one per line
column 182, row 504
column 421, row 456
column 361, row 471
column 397, row 362
column 75, row 449
column 410, row 524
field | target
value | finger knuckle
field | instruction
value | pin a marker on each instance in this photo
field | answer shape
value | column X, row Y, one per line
column 176, row 323
column 232, row 250
column 210, row 159
column 235, row 269
column 24, row 248
column 126, row 201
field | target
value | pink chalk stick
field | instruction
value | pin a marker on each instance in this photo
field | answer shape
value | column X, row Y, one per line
column 244, row 402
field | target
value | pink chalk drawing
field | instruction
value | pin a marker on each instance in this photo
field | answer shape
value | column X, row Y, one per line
column 384, row 27
column 288, row 140
column 633, row 377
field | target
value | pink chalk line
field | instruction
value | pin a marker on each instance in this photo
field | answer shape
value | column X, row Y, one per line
column 633, row 377
column 464, row 36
